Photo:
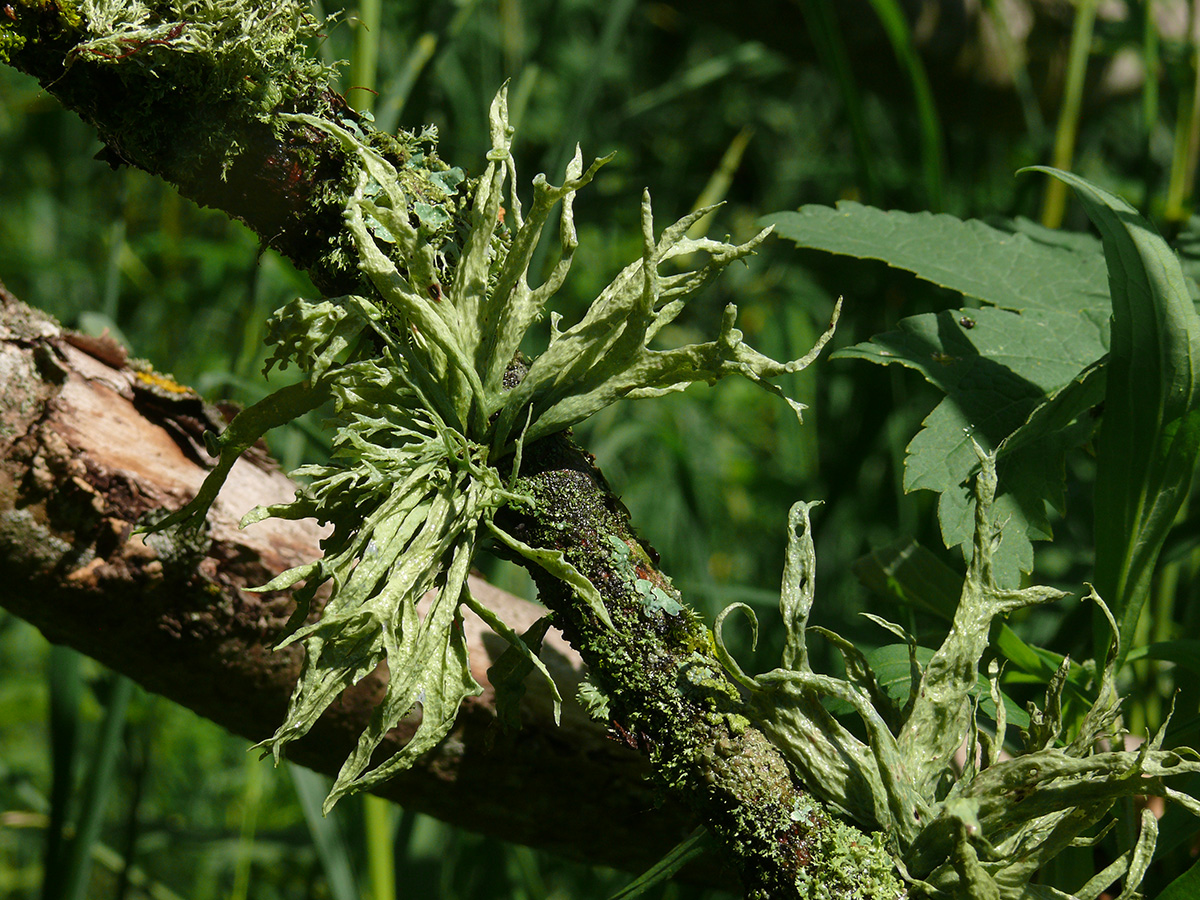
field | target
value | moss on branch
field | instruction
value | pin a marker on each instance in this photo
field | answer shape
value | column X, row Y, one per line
column 196, row 91
column 667, row 693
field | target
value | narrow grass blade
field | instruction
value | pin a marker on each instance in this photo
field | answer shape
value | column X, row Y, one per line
column 394, row 95
column 573, row 130
column 1150, row 435
column 1055, row 201
column 380, row 826
column 364, row 59
column 891, row 16
column 827, row 39
column 64, row 682
column 252, row 792
column 327, row 835
column 1031, row 109
column 684, row 852
column 1187, row 136
column 96, row 789
column 718, row 184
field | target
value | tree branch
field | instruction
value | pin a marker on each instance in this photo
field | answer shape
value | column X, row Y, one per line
column 87, row 446
column 659, row 672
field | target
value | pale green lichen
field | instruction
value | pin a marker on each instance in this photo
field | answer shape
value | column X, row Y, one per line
column 594, row 700
column 246, row 49
column 424, row 419
column 954, row 835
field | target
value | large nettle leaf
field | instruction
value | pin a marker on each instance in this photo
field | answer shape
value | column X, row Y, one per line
column 424, row 421
column 1019, row 374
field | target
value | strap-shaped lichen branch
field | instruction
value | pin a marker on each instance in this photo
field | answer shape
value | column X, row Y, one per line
column 424, row 421
column 984, row 831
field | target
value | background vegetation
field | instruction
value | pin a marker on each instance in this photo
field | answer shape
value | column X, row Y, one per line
column 754, row 111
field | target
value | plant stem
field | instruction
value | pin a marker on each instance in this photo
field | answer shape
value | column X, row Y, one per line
column 894, row 23
column 364, row 59
column 380, row 830
column 1055, row 201
column 1187, row 134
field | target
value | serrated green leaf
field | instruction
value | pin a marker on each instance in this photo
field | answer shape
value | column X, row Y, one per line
column 1070, row 406
column 1016, row 271
column 996, row 370
column 1151, row 432
column 1056, row 282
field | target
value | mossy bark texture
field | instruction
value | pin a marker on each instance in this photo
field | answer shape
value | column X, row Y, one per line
column 211, row 126
column 664, row 688
column 152, row 102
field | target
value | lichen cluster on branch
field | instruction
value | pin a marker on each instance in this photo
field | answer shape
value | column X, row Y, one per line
column 424, row 421
column 984, row 831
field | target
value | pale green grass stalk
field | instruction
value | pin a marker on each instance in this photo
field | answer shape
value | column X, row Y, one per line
column 379, row 822
column 718, row 183
column 1152, row 65
column 252, row 791
column 1187, row 135
column 364, row 58
column 393, row 96
column 1054, row 201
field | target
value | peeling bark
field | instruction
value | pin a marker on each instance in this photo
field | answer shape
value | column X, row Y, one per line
column 86, row 447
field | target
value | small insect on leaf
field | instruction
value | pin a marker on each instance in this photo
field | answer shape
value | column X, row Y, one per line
column 967, row 322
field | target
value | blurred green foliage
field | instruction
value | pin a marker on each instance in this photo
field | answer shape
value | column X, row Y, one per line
column 708, row 475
